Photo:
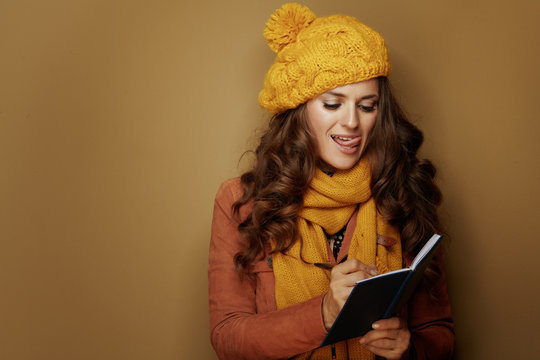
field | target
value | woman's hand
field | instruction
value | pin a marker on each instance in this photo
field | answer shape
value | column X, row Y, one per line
column 390, row 338
column 342, row 280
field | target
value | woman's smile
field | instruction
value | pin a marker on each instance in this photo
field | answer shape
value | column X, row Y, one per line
column 348, row 144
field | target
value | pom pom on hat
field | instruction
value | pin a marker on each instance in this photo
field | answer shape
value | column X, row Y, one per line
column 316, row 54
column 285, row 23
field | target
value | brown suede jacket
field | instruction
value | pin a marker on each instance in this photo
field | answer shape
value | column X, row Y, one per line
column 245, row 323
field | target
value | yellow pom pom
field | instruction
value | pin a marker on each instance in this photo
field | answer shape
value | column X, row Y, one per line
column 285, row 23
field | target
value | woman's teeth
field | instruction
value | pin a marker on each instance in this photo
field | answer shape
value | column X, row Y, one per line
column 347, row 142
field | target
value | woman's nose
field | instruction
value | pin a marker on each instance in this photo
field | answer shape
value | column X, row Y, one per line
column 351, row 118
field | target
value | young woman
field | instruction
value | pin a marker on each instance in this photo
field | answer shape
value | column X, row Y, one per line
column 337, row 181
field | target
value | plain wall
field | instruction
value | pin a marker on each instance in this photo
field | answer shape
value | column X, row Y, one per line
column 119, row 119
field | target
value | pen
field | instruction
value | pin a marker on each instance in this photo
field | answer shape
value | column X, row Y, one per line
column 324, row 266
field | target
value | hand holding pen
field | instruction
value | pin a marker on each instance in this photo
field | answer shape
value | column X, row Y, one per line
column 343, row 277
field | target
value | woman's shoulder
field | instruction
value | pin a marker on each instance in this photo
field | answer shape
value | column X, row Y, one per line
column 230, row 191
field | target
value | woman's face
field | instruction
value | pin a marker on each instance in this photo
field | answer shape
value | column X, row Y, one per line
column 341, row 120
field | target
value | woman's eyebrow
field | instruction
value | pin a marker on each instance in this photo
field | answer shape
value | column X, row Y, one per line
column 337, row 94
column 369, row 96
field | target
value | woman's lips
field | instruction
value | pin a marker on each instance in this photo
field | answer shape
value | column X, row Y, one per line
column 347, row 141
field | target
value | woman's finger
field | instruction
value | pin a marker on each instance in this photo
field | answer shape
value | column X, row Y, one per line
column 353, row 266
column 390, row 338
column 390, row 323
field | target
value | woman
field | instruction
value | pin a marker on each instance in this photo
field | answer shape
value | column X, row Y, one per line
column 336, row 181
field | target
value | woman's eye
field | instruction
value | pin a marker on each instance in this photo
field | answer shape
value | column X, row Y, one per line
column 332, row 106
column 366, row 108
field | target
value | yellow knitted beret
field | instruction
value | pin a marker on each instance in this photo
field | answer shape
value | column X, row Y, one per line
column 317, row 54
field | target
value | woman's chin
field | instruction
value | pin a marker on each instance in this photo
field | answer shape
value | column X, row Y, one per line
column 338, row 164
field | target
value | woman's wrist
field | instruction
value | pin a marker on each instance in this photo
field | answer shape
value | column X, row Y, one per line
column 410, row 354
column 328, row 320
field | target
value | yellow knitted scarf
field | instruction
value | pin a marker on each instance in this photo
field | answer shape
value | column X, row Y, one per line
column 328, row 205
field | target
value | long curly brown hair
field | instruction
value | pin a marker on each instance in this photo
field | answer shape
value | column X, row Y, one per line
column 285, row 160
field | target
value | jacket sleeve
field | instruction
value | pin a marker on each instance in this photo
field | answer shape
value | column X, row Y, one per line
column 238, row 331
column 430, row 322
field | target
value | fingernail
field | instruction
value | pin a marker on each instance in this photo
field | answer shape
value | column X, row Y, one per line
column 373, row 272
column 375, row 326
column 362, row 341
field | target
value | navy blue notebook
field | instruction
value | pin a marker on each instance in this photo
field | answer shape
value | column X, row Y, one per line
column 379, row 297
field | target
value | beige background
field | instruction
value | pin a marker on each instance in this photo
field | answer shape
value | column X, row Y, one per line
column 119, row 119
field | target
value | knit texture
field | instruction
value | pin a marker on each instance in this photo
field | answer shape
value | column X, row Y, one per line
column 317, row 54
column 328, row 205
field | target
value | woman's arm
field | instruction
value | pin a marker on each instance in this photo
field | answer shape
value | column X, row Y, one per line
column 430, row 322
column 238, row 329
column 425, row 330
